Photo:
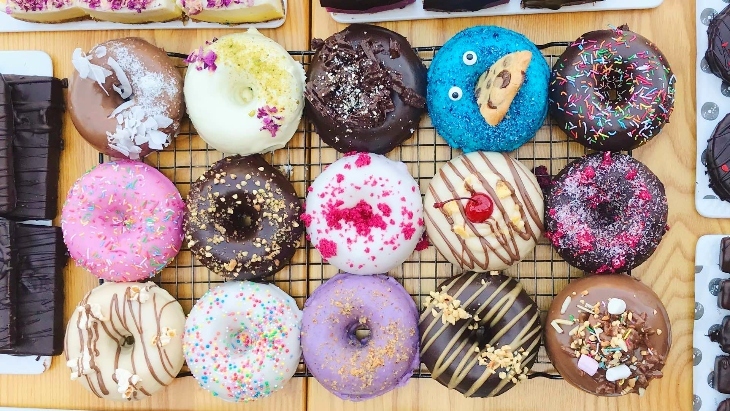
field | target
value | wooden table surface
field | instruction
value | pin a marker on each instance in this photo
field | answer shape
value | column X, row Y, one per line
column 669, row 272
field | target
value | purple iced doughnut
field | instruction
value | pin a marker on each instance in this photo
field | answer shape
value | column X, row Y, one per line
column 350, row 366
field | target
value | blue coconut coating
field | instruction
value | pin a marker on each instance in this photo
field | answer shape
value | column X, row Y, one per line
column 459, row 122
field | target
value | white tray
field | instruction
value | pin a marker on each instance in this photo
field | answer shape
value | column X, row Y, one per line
column 712, row 105
column 415, row 11
column 31, row 63
column 10, row 25
column 707, row 315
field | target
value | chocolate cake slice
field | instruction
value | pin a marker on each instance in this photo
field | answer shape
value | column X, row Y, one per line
column 41, row 258
column 8, row 283
column 7, row 184
column 363, row 6
column 553, row 4
column 461, row 5
column 38, row 106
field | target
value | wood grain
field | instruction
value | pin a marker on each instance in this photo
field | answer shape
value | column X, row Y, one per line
column 669, row 272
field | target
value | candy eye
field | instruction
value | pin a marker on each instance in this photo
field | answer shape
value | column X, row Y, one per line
column 470, row 58
column 455, row 93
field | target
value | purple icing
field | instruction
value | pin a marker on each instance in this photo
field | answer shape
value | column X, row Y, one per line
column 355, row 368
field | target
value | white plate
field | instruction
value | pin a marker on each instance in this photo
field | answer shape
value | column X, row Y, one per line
column 713, row 103
column 707, row 315
column 415, row 11
column 30, row 63
column 10, row 25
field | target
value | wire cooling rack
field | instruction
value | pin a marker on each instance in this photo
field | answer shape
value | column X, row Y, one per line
column 543, row 274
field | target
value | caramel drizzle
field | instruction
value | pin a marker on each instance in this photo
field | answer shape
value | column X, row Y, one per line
column 528, row 338
column 88, row 339
column 509, row 252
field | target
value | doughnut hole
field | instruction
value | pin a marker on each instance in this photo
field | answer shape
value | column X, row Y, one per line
column 359, row 333
column 614, row 85
column 242, row 222
column 240, row 341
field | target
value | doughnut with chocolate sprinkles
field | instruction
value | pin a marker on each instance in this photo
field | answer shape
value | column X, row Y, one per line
column 242, row 218
column 365, row 89
column 612, row 90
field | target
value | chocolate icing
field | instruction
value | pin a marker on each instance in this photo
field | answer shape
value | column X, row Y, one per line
column 38, row 106
column 606, row 212
column 7, row 129
column 717, row 159
column 553, row 4
column 718, row 52
column 8, row 283
column 725, row 255
column 722, row 335
column 457, row 353
column 242, row 218
column 721, row 381
column 645, row 340
column 363, row 6
column 612, row 90
column 723, row 297
column 461, row 5
column 724, row 406
column 41, row 259
column 359, row 96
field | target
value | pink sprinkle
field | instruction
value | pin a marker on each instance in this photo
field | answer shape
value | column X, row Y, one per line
column 340, row 178
column 363, row 159
column 631, row 174
column 423, row 243
column 385, row 209
column 327, row 248
column 645, row 195
column 607, row 160
column 408, row 231
column 361, row 216
column 306, row 219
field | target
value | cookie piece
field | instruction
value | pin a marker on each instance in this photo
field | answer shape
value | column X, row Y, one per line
column 498, row 86
column 7, row 183
column 8, row 282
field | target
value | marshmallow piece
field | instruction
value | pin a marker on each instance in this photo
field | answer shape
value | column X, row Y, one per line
column 618, row 373
column 588, row 365
column 616, row 306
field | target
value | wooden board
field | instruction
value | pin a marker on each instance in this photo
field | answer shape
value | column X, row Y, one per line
column 669, row 272
column 54, row 389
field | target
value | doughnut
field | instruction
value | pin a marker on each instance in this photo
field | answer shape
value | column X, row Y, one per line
column 123, row 340
column 364, row 214
column 233, row 12
column 716, row 159
column 484, row 211
column 612, row 90
column 717, row 54
column 242, row 218
column 480, row 334
column 626, row 317
column 606, row 213
column 244, row 93
column 365, row 89
column 125, row 97
column 241, row 340
column 476, row 63
column 360, row 335
column 122, row 221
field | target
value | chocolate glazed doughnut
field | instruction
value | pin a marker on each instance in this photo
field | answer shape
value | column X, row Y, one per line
column 242, row 218
column 718, row 53
column 717, row 159
column 480, row 334
column 365, row 89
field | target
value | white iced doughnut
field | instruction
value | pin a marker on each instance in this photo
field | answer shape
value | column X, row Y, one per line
column 123, row 340
column 241, row 340
column 244, row 93
column 364, row 214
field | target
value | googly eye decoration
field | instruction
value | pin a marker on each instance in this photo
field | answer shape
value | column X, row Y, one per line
column 455, row 93
column 469, row 58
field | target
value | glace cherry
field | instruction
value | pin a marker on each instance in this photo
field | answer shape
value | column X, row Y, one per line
column 478, row 208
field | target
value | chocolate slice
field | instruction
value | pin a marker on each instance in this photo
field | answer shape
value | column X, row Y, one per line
column 7, row 183
column 8, row 282
column 41, row 258
column 722, row 335
column 721, row 381
column 461, row 5
column 38, row 107
column 725, row 255
column 363, row 6
column 723, row 297
column 553, row 4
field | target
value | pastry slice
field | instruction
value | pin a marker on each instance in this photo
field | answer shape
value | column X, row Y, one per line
column 132, row 11
column 233, row 11
column 44, row 11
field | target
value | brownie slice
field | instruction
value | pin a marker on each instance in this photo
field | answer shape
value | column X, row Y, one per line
column 41, row 258
column 38, row 106
column 8, row 283
column 7, row 183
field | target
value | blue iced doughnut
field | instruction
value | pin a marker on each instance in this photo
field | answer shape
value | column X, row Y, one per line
column 452, row 102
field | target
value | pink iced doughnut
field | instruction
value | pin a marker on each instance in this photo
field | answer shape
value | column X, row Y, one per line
column 364, row 214
column 122, row 221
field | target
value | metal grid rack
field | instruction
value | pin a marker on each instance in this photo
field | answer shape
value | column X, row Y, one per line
column 543, row 274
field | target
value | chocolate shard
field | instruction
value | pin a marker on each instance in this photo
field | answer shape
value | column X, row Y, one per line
column 461, row 5
column 553, row 4
column 38, row 107
column 721, row 381
column 8, row 283
column 7, row 183
column 722, row 335
column 41, row 258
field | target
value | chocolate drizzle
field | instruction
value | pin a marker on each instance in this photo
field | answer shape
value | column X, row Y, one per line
column 499, row 316
column 7, row 130
column 365, row 89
